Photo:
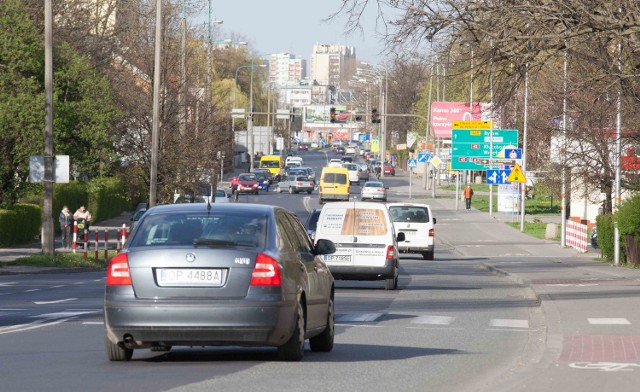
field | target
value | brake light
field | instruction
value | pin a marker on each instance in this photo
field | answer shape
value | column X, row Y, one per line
column 390, row 252
column 266, row 271
column 432, row 232
column 348, row 189
column 118, row 273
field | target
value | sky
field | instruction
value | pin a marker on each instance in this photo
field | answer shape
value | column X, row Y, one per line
column 294, row 26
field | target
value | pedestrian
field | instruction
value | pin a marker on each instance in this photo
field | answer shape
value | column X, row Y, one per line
column 83, row 217
column 468, row 194
column 66, row 221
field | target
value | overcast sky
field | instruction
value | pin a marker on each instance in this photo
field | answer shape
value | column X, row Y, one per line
column 294, row 26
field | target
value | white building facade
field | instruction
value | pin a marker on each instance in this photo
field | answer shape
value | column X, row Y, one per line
column 285, row 68
column 333, row 65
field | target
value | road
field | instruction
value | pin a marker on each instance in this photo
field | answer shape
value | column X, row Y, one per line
column 490, row 313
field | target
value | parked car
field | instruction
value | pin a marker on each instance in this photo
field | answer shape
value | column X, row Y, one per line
column 389, row 169
column 373, row 190
column 416, row 221
column 312, row 222
column 247, row 183
column 214, row 275
column 296, row 183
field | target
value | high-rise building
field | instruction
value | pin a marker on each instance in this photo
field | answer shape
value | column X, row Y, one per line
column 285, row 68
column 333, row 65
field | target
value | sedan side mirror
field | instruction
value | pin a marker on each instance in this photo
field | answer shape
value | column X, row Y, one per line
column 325, row 247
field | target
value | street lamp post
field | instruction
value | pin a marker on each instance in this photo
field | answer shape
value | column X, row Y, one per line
column 383, row 108
column 250, row 120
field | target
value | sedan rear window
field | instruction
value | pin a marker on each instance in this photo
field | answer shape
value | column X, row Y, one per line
column 220, row 229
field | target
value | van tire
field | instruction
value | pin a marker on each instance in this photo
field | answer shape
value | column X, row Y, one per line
column 392, row 283
column 309, row 191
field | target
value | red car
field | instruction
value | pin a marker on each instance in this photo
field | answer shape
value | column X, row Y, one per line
column 388, row 169
column 303, row 147
column 245, row 183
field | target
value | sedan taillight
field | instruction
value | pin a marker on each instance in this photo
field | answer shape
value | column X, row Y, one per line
column 118, row 273
column 266, row 271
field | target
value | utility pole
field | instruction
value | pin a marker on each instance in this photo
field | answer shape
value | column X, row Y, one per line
column 153, row 181
column 48, row 238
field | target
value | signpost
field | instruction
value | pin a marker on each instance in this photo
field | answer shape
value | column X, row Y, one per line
column 412, row 164
column 473, row 149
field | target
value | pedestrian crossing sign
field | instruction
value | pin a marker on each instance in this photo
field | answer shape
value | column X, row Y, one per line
column 516, row 175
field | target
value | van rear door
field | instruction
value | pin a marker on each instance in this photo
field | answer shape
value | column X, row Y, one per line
column 334, row 226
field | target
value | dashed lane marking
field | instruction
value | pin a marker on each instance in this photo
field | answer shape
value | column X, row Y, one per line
column 509, row 323
column 608, row 321
column 358, row 317
column 433, row 320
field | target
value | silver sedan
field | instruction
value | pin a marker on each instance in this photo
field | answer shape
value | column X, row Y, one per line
column 373, row 190
column 219, row 274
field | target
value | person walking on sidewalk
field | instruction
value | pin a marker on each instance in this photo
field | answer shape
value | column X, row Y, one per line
column 468, row 194
column 66, row 222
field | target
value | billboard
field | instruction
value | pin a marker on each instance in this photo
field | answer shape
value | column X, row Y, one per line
column 444, row 113
column 314, row 114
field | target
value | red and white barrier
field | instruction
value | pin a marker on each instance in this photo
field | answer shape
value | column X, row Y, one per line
column 121, row 239
column 577, row 235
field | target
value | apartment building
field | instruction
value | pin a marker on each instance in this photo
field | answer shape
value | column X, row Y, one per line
column 333, row 65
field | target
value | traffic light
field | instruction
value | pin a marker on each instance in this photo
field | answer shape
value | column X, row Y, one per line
column 358, row 117
column 375, row 117
column 332, row 114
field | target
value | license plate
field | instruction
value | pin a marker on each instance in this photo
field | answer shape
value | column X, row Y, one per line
column 189, row 277
column 337, row 257
column 410, row 233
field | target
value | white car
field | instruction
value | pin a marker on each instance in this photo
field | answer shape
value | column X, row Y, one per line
column 221, row 196
column 354, row 178
column 373, row 190
column 335, row 162
column 417, row 223
column 350, row 151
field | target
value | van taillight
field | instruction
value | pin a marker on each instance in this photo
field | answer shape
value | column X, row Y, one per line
column 348, row 189
column 432, row 232
column 266, row 271
column 118, row 273
column 390, row 252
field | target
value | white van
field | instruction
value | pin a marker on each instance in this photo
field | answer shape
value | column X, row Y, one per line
column 366, row 242
column 293, row 159
column 416, row 221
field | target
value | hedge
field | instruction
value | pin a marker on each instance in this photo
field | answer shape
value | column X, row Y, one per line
column 20, row 224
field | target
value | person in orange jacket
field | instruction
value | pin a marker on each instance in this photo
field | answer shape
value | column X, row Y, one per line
column 468, row 194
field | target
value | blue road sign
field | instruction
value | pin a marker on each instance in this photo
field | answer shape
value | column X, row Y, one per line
column 512, row 153
column 412, row 163
column 424, row 157
column 495, row 176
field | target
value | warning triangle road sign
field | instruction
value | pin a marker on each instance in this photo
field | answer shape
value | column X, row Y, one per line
column 516, row 175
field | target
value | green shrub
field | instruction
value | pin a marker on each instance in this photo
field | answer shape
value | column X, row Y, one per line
column 8, row 221
column 107, row 198
column 20, row 224
column 629, row 226
column 604, row 223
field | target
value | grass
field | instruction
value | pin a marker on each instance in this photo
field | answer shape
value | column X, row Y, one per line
column 534, row 229
column 531, row 206
column 63, row 260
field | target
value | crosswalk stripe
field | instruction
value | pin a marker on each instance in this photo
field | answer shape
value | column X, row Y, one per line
column 433, row 320
column 357, row 317
column 608, row 321
column 509, row 323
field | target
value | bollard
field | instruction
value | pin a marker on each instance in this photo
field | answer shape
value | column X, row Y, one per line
column 86, row 243
column 106, row 244
column 118, row 234
column 95, row 255
column 75, row 236
column 124, row 234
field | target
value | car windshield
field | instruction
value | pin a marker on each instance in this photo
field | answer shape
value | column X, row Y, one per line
column 373, row 185
column 351, row 167
column 221, row 228
column 409, row 214
column 247, row 177
column 270, row 164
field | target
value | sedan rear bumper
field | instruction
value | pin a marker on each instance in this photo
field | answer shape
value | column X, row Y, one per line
column 175, row 324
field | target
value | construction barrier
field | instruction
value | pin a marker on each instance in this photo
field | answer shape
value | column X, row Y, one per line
column 577, row 235
column 121, row 238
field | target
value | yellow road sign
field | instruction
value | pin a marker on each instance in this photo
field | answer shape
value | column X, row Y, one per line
column 516, row 175
column 471, row 124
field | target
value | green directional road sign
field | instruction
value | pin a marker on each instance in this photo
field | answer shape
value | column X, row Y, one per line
column 473, row 149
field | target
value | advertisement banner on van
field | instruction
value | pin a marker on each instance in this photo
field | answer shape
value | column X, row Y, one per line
column 355, row 222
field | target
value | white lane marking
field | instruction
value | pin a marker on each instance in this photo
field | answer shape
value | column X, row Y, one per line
column 433, row 320
column 54, row 302
column 66, row 314
column 572, row 284
column 29, row 291
column 358, row 317
column 305, row 202
column 509, row 323
column 7, row 284
column 605, row 366
column 609, row 321
column 58, row 286
column 93, row 323
column 26, row 327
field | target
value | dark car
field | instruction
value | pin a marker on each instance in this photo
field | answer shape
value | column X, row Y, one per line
column 218, row 275
column 340, row 150
column 312, row 222
column 264, row 179
column 346, row 159
column 303, row 147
